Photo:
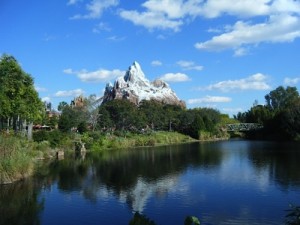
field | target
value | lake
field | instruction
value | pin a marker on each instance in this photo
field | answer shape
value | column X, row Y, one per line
column 226, row 182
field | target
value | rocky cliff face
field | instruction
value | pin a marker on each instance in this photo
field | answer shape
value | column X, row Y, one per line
column 135, row 87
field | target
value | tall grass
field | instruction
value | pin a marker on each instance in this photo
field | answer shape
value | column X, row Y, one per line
column 15, row 159
column 98, row 142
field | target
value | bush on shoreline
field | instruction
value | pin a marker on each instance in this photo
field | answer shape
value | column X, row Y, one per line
column 16, row 161
column 18, row 156
column 97, row 142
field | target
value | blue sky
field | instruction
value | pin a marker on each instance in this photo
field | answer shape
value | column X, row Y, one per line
column 223, row 54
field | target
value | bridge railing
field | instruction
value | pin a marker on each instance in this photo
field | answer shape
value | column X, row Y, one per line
column 243, row 126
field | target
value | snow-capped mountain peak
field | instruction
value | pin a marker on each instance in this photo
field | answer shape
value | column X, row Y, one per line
column 135, row 87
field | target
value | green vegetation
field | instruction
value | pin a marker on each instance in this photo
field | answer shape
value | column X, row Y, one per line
column 139, row 219
column 121, row 116
column 116, row 124
column 18, row 156
column 15, row 160
column 280, row 115
column 129, row 140
column 20, row 105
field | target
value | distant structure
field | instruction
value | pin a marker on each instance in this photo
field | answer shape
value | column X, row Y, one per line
column 78, row 102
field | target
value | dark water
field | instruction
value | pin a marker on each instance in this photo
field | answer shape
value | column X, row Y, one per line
column 230, row 182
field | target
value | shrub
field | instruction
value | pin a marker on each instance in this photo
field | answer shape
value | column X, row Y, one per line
column 40, row 136
column 15, row 160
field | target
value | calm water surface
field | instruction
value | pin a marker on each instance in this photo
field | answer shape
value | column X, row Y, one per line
column 230, row 182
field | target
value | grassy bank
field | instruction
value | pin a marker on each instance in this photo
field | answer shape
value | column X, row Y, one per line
column 15, row 159
column 18, row 157
column 96, row 141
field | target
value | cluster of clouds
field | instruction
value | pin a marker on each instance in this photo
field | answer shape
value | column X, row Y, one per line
column 254, row 82
column 101, row 75
column 254, row 22
column 257, row 21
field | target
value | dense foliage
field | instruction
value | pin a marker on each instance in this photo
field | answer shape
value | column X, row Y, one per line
column 124, row 116
column 19, row 101
column 15, row 160
column 280, row 115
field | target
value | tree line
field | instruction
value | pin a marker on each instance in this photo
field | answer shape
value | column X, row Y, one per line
column 280, row 116
column 21, row 107
column 125, row 116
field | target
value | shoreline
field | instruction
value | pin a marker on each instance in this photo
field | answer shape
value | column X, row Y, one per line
column 35, row 155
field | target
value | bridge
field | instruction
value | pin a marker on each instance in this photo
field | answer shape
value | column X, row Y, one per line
column 243, row 127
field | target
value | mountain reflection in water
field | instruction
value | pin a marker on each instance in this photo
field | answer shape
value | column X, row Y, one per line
column 230, row 182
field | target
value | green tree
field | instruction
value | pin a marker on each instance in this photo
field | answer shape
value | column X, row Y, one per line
column 104, row 122
column 123, row 113
column 281, row 98
column 153, row 112
column 280, row 116
column 67, row 119
column 20, row 103
column 62, row 105
column 196, row 127
column 289, row 120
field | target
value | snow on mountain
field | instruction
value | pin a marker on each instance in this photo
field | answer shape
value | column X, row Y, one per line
column 135, row 87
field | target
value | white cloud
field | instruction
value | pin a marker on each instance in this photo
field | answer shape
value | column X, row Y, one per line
column 209, row 99
column 189, row 65
column 163, row 14
column 71, row 93
column 240, row 52
column 100, row 75
column 254, row 82
column 247, row 8
column 116, row 38
column 291, row 81
column 278, row 28
column 46, row 99
column 101, row 27
column 156, row 63
column 285, row 6
column 175, row 77
column 151, row 20
column 167, row 14
column 73, row 2
column 95, row 8
column 40, row 89
column 69, row 71
column 233, row 110
column 242, row 8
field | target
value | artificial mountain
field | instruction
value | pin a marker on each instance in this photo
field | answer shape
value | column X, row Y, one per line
column 135, row 87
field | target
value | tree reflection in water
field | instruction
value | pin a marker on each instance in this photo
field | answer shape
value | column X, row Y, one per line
column 131, row 175
column 280, row 159
column 20, row 203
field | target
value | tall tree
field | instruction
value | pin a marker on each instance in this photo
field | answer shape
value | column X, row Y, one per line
column 153, row 112
column 281, row 98
column 20, row 102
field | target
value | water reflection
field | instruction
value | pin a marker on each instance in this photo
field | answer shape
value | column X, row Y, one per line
column 20, row 204
column 281, row 160
column 132, row 176
column 225, row 181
